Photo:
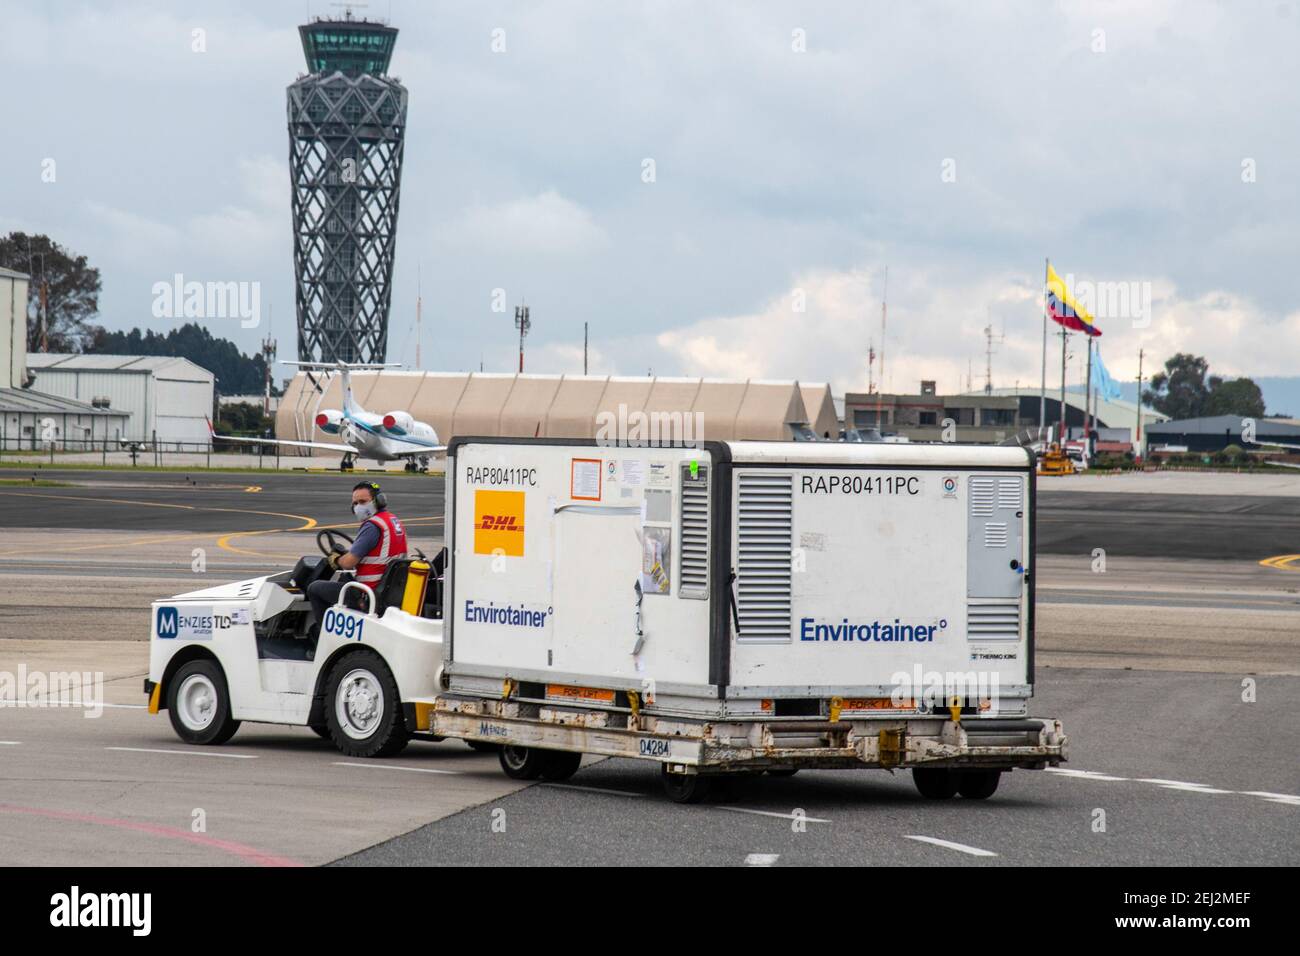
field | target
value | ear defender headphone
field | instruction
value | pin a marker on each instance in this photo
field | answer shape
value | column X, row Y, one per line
column 381, row 499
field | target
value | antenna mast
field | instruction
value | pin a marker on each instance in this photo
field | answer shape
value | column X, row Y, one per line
column 990, row 346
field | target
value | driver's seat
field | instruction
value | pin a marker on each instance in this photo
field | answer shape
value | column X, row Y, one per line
column 392, row 586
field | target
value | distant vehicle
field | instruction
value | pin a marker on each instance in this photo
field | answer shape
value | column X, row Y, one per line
column 393, row 436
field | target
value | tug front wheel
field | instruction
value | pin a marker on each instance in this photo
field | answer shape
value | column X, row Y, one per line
column 198, row 703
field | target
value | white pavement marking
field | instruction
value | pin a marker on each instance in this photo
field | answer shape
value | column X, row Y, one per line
column 1083, row 774
column 574, row 786
column 79, row 704
column 947, row 844
column 770, row 813
column 1182, row 785
column 388, row 766
column 10, row 743
column 1287, row 798
column 762, row 859
column 187, row 753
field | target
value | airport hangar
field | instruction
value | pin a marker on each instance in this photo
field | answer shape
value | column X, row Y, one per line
column 30, row 418
column 564, row 406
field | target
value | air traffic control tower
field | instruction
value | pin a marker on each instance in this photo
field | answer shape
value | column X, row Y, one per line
column 347, row 126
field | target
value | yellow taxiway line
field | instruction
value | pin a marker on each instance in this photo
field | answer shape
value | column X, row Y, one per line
column 1282, row 562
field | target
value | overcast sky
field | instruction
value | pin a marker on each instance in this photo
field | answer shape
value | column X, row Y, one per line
column 798, row 149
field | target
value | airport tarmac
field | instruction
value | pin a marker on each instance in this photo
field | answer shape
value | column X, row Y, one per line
column 1143, row 655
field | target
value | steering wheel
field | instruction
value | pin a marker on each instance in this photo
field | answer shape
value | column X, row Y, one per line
column 325, row 540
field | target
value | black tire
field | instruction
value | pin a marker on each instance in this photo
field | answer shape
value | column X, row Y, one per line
column 684, row 787
column 198, row 703
column 320, row 730
column 978, row 784
column 361, row 707
column 562, row 765
column 782, row 771
column 934, row 783
column 523, row 763
column 483, row 746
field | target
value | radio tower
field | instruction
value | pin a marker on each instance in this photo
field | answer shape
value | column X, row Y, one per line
column 523, row 323
column 347, row 127
column 990, row 346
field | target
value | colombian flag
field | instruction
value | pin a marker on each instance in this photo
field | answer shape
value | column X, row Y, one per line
column 1063, row 309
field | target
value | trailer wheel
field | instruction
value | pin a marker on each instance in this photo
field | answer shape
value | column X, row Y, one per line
column 320, row 730
column 684, row 787
column 523, row 763
column 934, row 783
column 561, row 765
column 198, row 703
column 483, row 746
column 978, row 784
column 362, row 709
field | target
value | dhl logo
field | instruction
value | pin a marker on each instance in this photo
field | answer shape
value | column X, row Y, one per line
column 500, row 523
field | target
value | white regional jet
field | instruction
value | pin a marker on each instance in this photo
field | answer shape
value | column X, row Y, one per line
column 389, row 437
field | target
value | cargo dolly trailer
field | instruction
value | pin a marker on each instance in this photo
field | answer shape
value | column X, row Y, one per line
column 743, row 607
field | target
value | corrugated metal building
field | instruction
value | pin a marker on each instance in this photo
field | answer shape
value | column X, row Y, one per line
column 1217, row 432
column 164, row 397
column 564, row 406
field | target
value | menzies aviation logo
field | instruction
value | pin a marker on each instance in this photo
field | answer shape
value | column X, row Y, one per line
column 196, row 623
column 499, row 522
column 877, row 632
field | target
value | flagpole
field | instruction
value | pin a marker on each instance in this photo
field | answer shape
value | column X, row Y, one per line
column 1064, row 334
column 1088, row 395
column 1042, row 391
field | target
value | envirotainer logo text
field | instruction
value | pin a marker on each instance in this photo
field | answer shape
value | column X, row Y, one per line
column 874, row 632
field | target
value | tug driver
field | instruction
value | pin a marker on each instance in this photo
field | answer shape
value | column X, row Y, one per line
column 380, row 539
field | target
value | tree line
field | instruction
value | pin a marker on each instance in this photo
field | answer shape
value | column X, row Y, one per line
column 63, row 301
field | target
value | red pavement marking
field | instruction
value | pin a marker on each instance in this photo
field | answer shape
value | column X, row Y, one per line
column 248, row 853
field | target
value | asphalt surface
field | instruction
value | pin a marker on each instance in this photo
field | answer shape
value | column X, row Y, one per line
column 1219, row 526
column 199, row 501
column 1170, row 737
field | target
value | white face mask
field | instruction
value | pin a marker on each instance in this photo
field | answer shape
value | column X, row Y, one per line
column 364, row 510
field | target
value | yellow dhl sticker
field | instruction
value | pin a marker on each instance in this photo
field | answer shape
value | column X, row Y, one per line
column 565, row 692
column 499, row 523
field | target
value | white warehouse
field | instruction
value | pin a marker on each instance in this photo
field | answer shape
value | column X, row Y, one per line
column 167, row 399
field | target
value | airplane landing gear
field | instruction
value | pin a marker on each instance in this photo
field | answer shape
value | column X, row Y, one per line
column 348, row 463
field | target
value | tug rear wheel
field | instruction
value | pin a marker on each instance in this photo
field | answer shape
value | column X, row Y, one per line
column 362, row 707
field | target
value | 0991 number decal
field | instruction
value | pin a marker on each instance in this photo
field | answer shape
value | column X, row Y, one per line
column 344, row 625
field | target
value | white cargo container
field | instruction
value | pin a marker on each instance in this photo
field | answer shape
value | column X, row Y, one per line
column 744, row 606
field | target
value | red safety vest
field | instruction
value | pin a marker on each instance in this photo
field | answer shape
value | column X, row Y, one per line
column 392, row 544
